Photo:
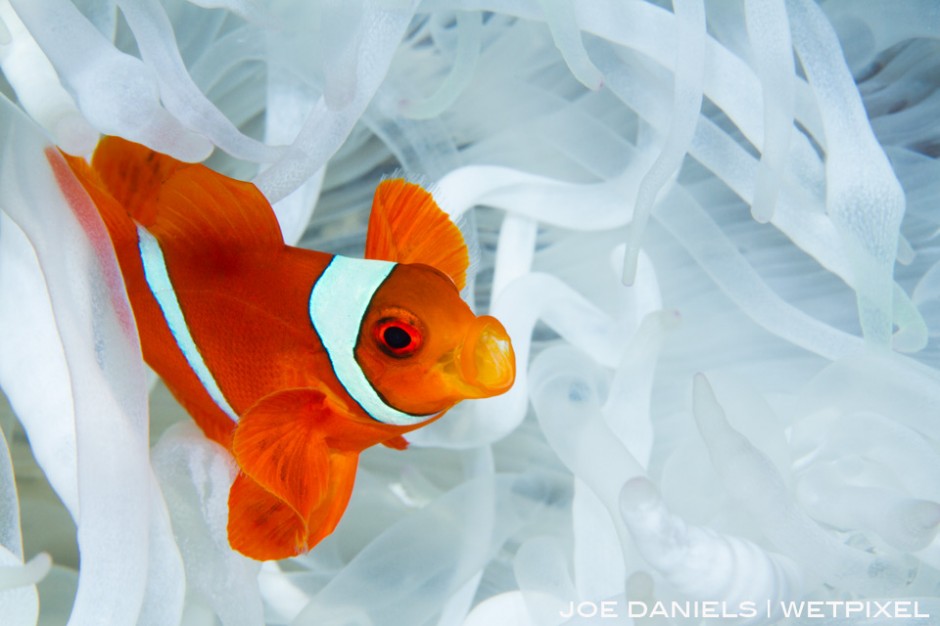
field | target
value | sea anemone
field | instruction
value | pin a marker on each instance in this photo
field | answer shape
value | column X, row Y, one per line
column 707, row 228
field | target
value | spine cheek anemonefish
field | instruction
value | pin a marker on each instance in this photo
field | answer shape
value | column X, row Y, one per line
column 294, row 360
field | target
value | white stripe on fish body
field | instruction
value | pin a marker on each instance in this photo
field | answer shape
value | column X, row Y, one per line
column 158, row 280
column 338, row 303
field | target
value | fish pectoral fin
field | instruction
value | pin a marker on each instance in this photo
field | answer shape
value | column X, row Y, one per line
column 264, row 527
column 280, row 445
column 407, row 226
column 396, row 443
column 261, row 525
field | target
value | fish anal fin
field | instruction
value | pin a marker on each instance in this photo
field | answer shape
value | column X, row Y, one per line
column 407, row 226
column 262, row 526
column 279, row 443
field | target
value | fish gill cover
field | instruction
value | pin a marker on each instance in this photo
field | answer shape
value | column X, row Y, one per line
column 711, row 231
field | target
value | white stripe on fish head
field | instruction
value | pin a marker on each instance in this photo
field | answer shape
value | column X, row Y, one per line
column 339, row 301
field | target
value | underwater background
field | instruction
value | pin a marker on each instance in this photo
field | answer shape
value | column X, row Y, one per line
column 710, row 228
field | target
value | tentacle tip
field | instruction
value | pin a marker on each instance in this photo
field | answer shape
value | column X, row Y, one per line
column 74, row 134
column 638, row 493
column 671, row 319
column 700, row 383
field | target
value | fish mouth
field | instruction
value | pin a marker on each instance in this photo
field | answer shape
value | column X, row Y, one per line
column 486, row 360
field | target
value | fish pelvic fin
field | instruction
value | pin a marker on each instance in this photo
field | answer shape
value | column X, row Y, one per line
column 407, row 226
column 396, row 443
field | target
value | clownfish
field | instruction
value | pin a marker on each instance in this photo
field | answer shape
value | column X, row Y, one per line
column 294, row 360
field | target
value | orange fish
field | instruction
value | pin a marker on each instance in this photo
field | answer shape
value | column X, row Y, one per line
column 294, row 360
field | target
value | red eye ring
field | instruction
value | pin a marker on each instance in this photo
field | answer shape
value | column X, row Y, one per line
column 397, row 337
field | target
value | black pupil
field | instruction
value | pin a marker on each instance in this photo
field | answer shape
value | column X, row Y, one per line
column 396, row 338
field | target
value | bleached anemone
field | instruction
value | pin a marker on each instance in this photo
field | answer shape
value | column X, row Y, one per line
column 711, row 231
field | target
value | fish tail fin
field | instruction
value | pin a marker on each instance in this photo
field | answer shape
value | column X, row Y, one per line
column 119, row 225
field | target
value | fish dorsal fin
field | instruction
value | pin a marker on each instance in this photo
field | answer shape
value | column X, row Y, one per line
column 133, row 174
column 184, row 203
column 407, row 226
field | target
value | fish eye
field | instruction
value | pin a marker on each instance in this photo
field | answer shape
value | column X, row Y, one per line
column 397, row 337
